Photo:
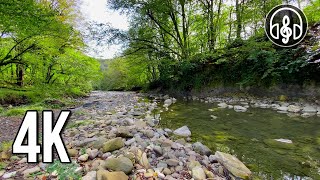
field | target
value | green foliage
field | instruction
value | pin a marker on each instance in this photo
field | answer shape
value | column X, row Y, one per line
column 187, row 45
column 64, row 171
column 40, row 53
column 312, row 12
column 124, row 74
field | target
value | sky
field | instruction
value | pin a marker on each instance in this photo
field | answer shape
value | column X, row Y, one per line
column 97, row 10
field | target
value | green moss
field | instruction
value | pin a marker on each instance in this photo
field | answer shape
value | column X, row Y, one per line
column 75, row 124
column 5, row 146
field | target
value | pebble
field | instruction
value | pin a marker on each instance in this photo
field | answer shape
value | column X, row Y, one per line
column 9, row 175
column 172, row 162
column 83, row 158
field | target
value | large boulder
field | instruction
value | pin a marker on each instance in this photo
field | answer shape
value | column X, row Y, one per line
column 183, row 131
column 119, row 164
column 112, row 145
column 233, row 165
column 201, row 149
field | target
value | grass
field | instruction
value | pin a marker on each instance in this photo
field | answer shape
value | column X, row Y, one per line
column 21, row 110
column 16, row 103
column 57, row 96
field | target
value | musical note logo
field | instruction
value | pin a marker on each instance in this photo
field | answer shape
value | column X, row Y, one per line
column 285, row 31
column 286, row 25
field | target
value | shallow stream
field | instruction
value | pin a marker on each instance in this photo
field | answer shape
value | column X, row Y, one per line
column 250, row 136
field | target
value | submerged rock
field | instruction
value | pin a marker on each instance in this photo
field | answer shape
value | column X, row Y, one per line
column 282, row 108
column 280, row 144
column 294, row 109
column 240, row 109
column 183, row 131
column 309, row 109
column 284, row 141
column 233, row 165
column 223, row 105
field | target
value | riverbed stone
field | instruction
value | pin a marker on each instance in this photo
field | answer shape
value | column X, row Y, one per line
column 119, row 164
column 183, row 131
column 9, row 175
column 113, row 144
column 172, row 162
column 223, row 105
column 201, row 149
column 117, row 175
column 123, row 132
column 92, row 175
column 93, row 153
column 83, row 158
column 158, row 150
column 144, row 161
column 72, row 152
column 162, row 164
column 198, row 173
column 233, row 165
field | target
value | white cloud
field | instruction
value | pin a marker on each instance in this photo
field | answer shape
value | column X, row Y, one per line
column 97, row 10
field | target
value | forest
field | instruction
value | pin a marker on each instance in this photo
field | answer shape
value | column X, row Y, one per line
column 207, row 43
column 41, row 54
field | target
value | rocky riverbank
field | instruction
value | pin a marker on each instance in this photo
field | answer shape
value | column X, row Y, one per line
column 115, row 136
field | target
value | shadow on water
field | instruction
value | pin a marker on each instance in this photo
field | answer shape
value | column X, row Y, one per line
column 250, row 136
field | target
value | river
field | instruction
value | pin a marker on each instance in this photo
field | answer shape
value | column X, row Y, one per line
column 250, row 136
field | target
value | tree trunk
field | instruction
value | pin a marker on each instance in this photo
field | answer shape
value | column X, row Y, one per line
column 238, row 14
column 20, row 74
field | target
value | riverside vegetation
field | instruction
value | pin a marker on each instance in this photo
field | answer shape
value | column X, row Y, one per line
column 177, row 46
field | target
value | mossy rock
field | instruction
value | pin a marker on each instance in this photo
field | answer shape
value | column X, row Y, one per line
column 278, row 145
column 112, row 145
column 283, row 98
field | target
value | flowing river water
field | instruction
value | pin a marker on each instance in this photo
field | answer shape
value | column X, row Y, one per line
column 250, row 136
